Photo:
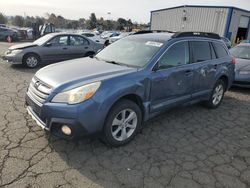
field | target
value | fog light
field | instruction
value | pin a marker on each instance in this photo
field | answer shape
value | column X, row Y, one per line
column 66, row 130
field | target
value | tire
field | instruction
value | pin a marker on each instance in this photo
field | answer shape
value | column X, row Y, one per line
column 118, row 130
column 31, row 60
column 217, row 95
column 89, row 54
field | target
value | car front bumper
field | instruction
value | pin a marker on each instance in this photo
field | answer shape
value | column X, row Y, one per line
column 83, row 119
column 13, row 59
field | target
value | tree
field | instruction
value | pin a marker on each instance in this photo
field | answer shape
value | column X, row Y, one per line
column 39, row 20
column 81, row 22
column 18, row 21
column 52, row 19
column 3, row 19
column 72, row 24
column 121, row 24
column 93, row 21
column 129, row 25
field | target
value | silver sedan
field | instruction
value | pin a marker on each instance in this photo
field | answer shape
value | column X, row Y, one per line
column 51, row 48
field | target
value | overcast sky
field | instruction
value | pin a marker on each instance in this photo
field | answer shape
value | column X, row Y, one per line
column 137, row 10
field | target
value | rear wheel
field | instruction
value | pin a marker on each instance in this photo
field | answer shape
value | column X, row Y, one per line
column 31, row 60
column 122, row 124
column 217, row 95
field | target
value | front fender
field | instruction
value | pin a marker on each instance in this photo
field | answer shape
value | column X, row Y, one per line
column 113, row 92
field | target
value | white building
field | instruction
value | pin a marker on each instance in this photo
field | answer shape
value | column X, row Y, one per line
column 231, row 22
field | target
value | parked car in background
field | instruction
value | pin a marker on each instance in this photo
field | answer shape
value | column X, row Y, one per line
column 93, row 36
column 52, row 47
column 122, row 35
column 3, row 25
column 30, row 34
column 107, row 34
column 242, row 54
column 7, row 32
column 129, row 82
column 227, row 42
column 245, row 41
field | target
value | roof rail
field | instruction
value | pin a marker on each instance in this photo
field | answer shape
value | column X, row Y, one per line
column 143, row 32
column 196, row 34
column 152, row 31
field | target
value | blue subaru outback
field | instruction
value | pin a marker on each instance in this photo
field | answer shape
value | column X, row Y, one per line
column 129, row 82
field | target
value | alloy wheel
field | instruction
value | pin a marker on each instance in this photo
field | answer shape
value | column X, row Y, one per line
column 124, row 124
column 218, row 94
column 31, row 61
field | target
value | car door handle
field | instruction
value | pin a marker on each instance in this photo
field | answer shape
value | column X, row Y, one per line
column 86, row 47
column 189, row 73
column 65, row 48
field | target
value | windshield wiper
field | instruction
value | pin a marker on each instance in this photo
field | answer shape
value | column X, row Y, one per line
column 116, row 63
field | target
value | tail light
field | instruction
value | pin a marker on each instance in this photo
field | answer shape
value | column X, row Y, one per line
column 233, row 61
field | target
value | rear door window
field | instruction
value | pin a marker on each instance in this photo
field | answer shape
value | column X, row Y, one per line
column 220, row 50
column 201, row 51
column 78, row 41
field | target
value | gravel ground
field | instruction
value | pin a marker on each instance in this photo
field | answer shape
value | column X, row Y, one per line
column 185, row 147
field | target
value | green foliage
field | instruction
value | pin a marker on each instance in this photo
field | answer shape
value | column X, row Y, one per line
column 3, row 19
column 18, row 21
column 60, row 22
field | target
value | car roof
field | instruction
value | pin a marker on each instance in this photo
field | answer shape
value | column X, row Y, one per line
column 161, row 37
column 164, row 37
column 63, row 33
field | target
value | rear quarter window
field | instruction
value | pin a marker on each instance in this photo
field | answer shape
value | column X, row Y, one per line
column 201, row 51
column 220, row 50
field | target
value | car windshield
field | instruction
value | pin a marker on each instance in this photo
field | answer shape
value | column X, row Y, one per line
column 130, row 52
column 42, row 40
column 242, row 52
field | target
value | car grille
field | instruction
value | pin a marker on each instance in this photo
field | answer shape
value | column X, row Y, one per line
column 38, row 92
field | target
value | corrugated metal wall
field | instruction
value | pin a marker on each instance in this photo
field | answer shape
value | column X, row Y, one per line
column 235, row 21
column 197, row 19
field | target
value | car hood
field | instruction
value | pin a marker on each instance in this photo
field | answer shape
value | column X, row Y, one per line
column 80, row 71
column 242, row 64
column 22, row 46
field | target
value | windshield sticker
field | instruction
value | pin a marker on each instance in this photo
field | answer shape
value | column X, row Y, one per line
column 156, row 44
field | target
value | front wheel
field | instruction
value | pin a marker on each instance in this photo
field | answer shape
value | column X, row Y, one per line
column 122, row 124
column 217, row 95
column 31, row 60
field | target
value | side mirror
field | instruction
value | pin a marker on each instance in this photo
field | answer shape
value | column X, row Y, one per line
column 48, row 44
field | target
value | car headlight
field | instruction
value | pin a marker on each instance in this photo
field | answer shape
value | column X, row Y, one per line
column 15, row 52
column 78, row 94
column 244, row 72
